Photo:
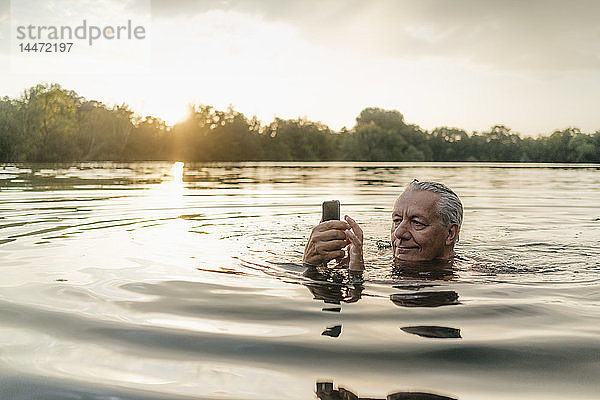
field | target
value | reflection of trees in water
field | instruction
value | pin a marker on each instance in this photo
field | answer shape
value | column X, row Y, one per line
column 325, row 391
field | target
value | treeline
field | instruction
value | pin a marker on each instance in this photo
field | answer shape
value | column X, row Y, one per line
column 51, row 124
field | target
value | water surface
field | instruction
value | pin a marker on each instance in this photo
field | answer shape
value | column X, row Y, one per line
column 155, row 280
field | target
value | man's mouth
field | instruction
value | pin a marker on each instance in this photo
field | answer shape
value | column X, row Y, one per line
column 405, row 248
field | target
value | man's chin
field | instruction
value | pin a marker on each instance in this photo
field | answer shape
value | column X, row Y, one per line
column 411, row 257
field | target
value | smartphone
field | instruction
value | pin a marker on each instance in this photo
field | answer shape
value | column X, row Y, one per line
column 331, row 210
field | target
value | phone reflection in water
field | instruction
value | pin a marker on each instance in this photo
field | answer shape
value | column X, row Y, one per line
column 335, row 286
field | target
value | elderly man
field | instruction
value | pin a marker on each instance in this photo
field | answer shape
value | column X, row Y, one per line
column 425, row 225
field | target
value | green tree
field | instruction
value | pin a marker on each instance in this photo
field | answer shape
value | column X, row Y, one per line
column 149, row 140
column 502, row 144
column 48, row 124
column 556, row 146
column 8, row 129
column 300, row 140
column 448, row 144
column 103, row 132
column 382, row 135
column 582, row 149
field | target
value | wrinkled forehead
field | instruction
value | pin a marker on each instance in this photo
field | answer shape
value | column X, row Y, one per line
column 421, row 202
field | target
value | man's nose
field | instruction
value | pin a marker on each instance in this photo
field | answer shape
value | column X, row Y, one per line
column 401, row 231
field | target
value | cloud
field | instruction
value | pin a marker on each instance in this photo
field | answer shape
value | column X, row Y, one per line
column 535, row 35
column 4, row 26
column 531, row 65
column 541, row 36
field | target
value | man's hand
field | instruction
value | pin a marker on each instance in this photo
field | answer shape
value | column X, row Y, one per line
column 354, row 236
column 326, row 242
column 328, row 239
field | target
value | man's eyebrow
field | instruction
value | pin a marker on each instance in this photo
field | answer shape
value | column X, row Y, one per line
column 413, row 216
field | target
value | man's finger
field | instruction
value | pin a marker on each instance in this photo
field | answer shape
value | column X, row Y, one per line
column 330, row 255
column 331, row 234
column 332, row 224
column 355, row 227
column 353, row 238
column 331, row 245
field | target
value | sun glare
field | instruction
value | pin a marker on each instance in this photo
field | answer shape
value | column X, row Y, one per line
column 170, row 112
column 175, row 188
column 177, row 172
column 170, row 104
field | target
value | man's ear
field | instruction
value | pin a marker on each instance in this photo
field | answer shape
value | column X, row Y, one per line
column 453, row 231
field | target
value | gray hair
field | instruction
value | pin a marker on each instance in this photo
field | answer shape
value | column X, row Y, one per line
column 450, row 208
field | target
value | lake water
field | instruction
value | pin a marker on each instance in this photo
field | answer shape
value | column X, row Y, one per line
column 164, row 281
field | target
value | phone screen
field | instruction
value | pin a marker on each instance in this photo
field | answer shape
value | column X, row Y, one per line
column 331, row 210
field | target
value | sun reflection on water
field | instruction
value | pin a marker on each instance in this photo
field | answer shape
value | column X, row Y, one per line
column 175, row 186
column 177, row 171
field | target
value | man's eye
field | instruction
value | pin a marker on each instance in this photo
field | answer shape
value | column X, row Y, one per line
column 417, row 223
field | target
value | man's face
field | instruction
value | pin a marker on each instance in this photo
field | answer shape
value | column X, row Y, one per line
column 417, row 230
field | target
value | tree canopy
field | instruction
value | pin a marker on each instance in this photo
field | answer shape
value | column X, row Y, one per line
column 50, row 124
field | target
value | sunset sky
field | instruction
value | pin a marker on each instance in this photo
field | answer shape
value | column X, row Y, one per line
column 531, row 65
